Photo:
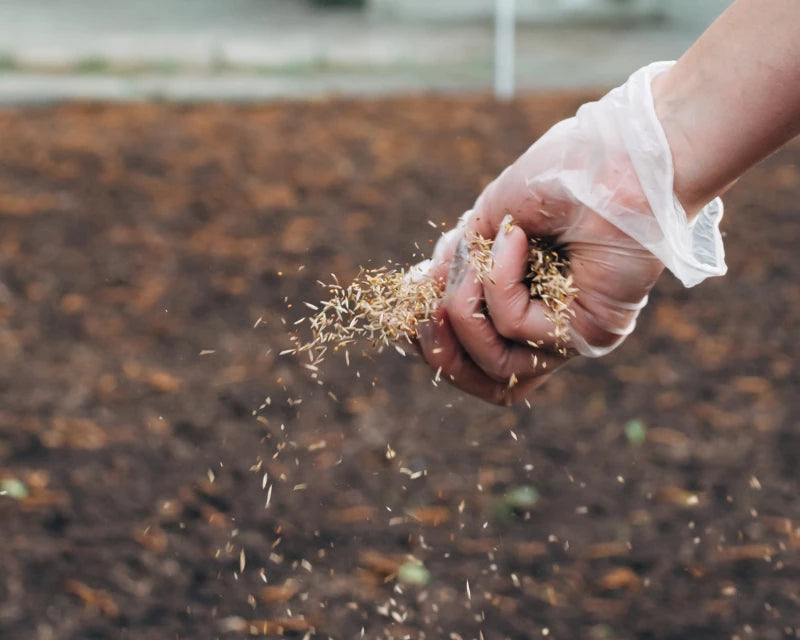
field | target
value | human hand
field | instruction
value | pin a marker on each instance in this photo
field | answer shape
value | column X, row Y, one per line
column 599, row 186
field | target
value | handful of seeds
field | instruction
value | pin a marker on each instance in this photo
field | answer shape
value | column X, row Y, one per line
column 386, row 306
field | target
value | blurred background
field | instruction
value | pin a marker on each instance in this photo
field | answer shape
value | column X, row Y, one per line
column 249, row 49
column 177, row 176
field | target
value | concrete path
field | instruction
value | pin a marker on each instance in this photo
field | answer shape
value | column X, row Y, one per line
column 257, row 49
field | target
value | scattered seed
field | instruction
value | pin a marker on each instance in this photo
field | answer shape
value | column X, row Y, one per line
column 387, row 306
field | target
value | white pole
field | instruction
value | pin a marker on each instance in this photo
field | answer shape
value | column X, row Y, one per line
column 504, row 19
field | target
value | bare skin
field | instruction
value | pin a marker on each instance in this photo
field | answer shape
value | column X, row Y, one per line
column 733, row 98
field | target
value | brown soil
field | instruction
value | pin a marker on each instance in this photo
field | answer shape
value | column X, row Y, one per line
column 132, row 238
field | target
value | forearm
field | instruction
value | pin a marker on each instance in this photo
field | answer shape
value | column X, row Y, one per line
column 732, row 98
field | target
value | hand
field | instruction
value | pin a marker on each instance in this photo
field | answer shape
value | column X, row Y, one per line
column 598, row 185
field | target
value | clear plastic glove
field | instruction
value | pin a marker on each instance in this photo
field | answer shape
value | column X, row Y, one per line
column 600, row 185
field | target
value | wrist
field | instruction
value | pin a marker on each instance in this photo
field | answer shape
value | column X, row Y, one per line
column 670, row 105
column 628, row 124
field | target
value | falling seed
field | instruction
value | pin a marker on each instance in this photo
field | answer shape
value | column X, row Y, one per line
column 269, row 497
column 385, row 306
column 242, row 561
column 469, row 593
column 210, row 475
column 258, row 322
column 207, row 352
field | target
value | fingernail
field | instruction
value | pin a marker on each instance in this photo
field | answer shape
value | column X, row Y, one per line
column 458, row 264
column 506, row 224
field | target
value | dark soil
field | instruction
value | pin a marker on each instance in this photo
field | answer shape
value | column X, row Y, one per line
column 133, row 238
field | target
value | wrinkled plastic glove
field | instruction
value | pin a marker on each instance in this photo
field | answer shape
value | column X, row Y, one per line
column 600, row 185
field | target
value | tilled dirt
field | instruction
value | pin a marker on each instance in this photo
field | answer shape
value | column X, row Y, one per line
column 135, row 238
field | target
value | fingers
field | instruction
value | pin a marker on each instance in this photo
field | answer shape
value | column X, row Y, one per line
column 613, row 280
column 514, row 314
column 600, row 324
column 500, row 359
column 443, row 353
column 465, row 349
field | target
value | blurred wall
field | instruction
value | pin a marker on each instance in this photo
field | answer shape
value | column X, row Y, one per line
column 696, row 12
column 527, row 10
